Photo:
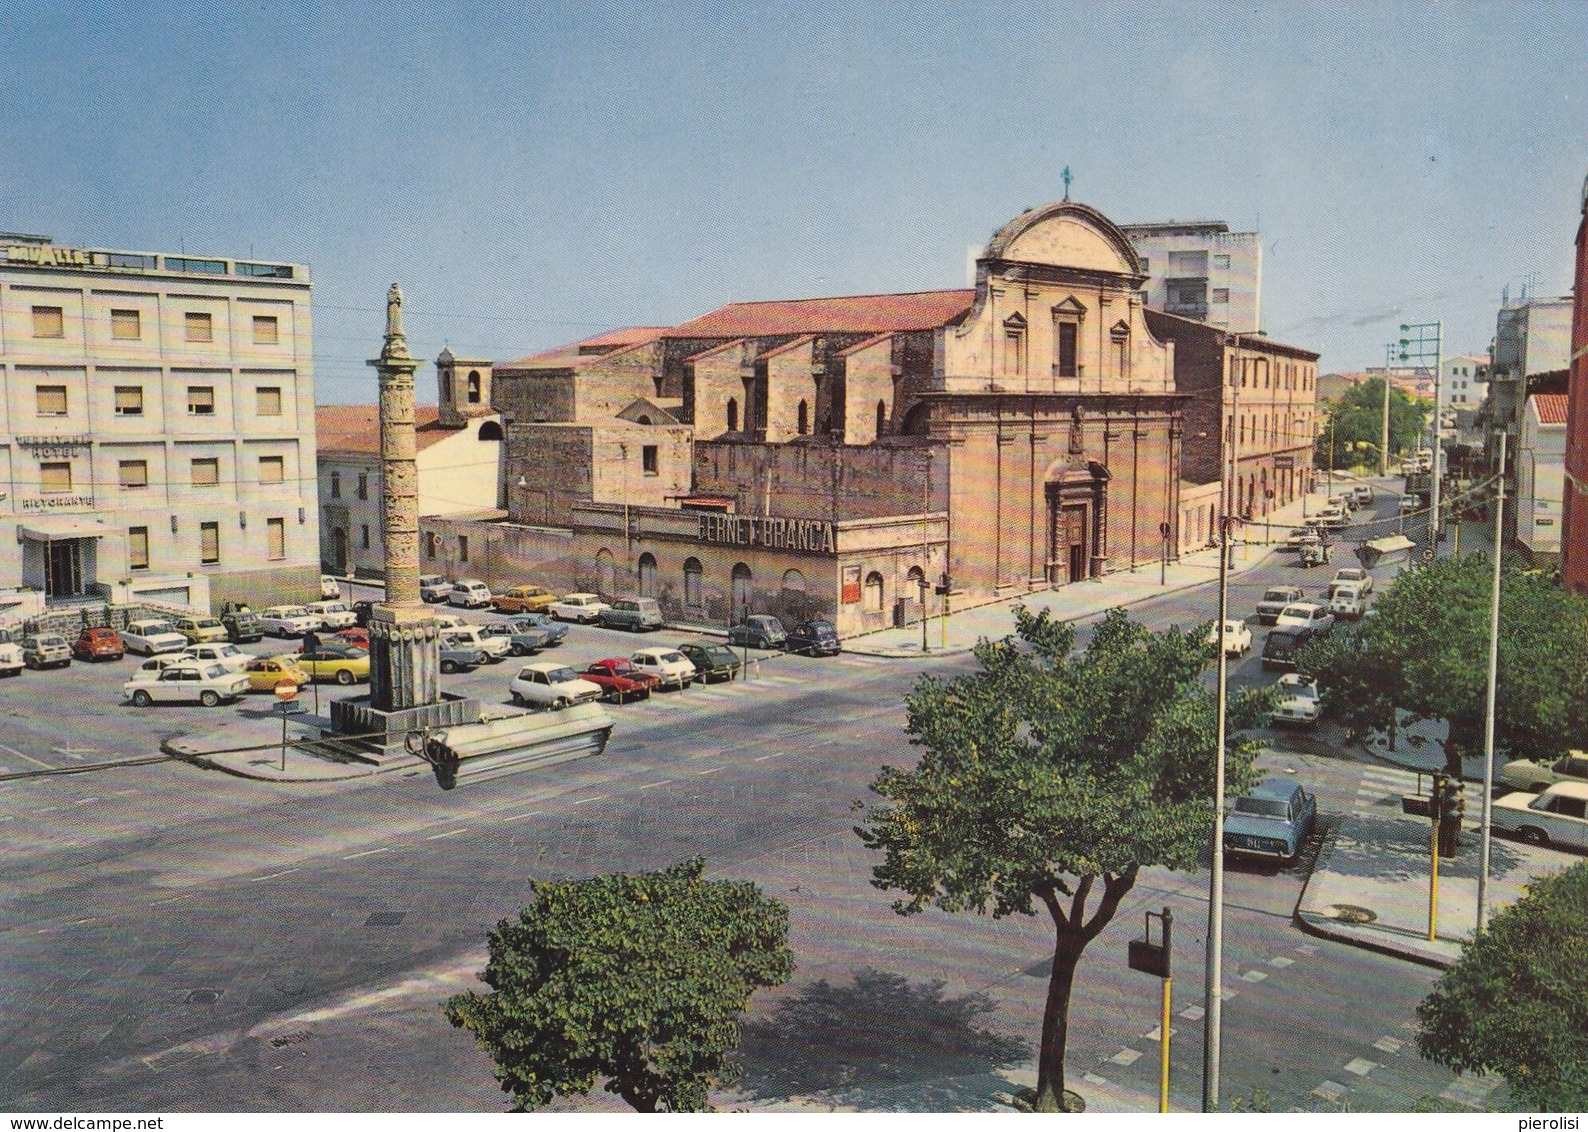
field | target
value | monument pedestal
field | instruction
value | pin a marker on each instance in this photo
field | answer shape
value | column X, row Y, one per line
column 384, row 734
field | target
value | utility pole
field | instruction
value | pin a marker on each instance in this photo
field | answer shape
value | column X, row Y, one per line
column 1383, row 443
column 1488, row 720
column 1428, row 342
column 926, row 487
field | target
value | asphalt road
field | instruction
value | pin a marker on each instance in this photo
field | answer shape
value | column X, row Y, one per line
column 180, row 940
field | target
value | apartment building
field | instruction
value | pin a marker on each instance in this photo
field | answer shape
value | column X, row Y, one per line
column 1201, row 270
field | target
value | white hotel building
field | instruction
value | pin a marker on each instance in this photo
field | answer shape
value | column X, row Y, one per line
column 157, row 429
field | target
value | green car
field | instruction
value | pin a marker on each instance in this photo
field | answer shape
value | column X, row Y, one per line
column 712, row 660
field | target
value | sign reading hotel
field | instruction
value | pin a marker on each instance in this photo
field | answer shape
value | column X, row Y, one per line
column 814, row 535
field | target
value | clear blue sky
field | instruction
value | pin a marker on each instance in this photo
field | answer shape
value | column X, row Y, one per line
column 536, row 177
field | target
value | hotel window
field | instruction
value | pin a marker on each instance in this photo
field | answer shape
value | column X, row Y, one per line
column 48, row 323
column 276, row 538
column 1221, row 294
column 267, row 331
column 463, row 548
column 129, row 400
column 52, row 400
column 648, row 458
column 126, row 325
column 363, row 485
column 199, row 327
column 272, row 469
column 200, row 400
column 206, row 472
column 134, row 473
column 336, row 485
column 1066, row 338
column 363, row 535
column 1221, row 261
column 267, row 401
column 55, row 479
column 138, row 548
column 209, row 543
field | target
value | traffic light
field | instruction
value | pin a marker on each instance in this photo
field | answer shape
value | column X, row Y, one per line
column 1455, row 800
column 1437, row 798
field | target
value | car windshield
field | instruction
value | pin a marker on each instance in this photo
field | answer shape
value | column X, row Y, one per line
column 1263, row 807
column 52, row 641
column 208, row 623
column 561, row 675
column 1277, row 595
column 670, row 657
column 621, row 668
column 214, row 671
column 151, row 627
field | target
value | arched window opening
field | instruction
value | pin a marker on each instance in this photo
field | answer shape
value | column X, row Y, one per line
column 741, row 591
column 645, row 419
column 882, row 417
column 606, row 573
column 490, row 430
column 873, row 593
column 804, row 424
column 1014, row 345
column 648, row 575
column 693, row 575
column 474, row 387
column 733, row 415
column 794, row 581
column 914, row 582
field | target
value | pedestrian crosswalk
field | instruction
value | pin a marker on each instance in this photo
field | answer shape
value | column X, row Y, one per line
column 1382, row 788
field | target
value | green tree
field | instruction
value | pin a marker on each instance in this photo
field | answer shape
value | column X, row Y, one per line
column 1425, row 651
column 1050, row 779
column 638, row 979
column 1517, row 1001
column 1357, row 417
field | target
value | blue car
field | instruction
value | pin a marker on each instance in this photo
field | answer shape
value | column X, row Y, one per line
column 555, row 630
column 817, row 638
column 1272, row 821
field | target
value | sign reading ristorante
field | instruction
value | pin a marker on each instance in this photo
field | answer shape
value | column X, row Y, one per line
column 815, row 535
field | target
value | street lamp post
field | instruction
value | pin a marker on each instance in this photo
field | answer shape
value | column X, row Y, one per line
column 926, row 487
column 1426, row 340
column 1488, row 719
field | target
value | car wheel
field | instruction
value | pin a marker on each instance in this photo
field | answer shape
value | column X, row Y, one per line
column 516, row 650
column 449, row 666
column 558, row 705
column 344, row 676
column 141, row 698
column 1533, row 836
column 209, row 698
column 518, row 700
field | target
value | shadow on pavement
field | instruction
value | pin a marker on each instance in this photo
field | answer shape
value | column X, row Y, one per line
column 882, row 1032
column 1387, row 848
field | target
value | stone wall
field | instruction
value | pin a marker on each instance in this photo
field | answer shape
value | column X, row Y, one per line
column 818, row 480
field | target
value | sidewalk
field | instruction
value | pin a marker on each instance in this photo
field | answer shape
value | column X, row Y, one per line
column 249, row 746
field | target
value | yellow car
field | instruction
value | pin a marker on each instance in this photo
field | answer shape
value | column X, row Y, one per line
column 200, row 630
column 267, row 672
column 524, row 599
column 342, row 663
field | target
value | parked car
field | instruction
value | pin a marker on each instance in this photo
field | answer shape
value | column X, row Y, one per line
column 814, row 638
column 547, row 684
column 470, row 636
column 362, row 611
column 1308, row 615
column 461, row 656
column 225, row 654
column 1362, row 493
column 98, row 644
column 521, row 637
column 342, row 663
column 198, row 629
column 669, row 666
column 46, row 650
column 1355, row 575
column 151, row 668
column 1279, row 650
column 1331, row 517
column 1299, row 536
column 288, row 621
column 1407, row 505
column 584, row 608
column 1274, row 602
column 1346, row 602
column 1237, row 638
column 434, row 588
column 242, row 625
column 713, row 660
column 152, row 635
column 208, row 684
column 636, row 614
column 1272, row 821
column 355, row 636
column 450, row 621
column 619, row 679
column 469, row 593
column 11, row 662
column 266, row 673
column 555, row 630
column 332, row 614
column 760, row 631
column 523, row 599
column 1315, row 553
column 1556, row 816
column 1346, row 502
column 1526, row 774
column 1299, row 700
column 330, row 588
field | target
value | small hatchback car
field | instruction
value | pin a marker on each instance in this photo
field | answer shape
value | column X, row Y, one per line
column 97, row 644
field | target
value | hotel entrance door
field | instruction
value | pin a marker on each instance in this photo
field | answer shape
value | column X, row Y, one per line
column 64, row 576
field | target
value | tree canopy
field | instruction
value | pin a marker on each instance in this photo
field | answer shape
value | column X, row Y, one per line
column 638, row 979
column 1047, row 776
column 1357, row 416
column 1425, row 651
column 1517, row 1001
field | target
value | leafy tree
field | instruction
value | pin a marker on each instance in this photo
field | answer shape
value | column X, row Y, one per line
column 1357, row 416
column 1426, row 649
column 638, row 979
column 1047, row 777
column 1517, row 1001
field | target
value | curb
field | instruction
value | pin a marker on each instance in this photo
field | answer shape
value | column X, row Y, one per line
column 207, row 763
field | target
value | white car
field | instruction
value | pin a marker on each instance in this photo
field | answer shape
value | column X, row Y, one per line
column 183, row 683
column 1407, row 505
column 1299, row 700
column 584, row 608
column 1331, row 517
column 151, row 668
column 469, row 636
column 229, row 657
column 1354, row 574
column 434, row 588
column 11, row 654
column 450, row 621
column 332, row 614
column 288, row 621
column 1237, row 638
column 1308, row 616
column 330, row 588
column 151, row 636
column 1345, row 601
column 1558, row 816
column 1527, row 774
column 548, row 684
column 668, row 665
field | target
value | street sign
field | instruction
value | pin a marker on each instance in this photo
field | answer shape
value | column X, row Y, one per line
column 286, row 691
column 1428, row 554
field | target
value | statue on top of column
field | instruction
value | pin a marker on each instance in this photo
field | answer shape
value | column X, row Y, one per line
column 396, row 345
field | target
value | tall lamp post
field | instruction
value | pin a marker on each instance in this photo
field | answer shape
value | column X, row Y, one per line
column 926, row 487
column 1420, row 342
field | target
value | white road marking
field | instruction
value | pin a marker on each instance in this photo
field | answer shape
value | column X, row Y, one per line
column 1253, row 976
column 449, row 833
column 1331, row 1091
column 709, row 770
column 1126, row 1057
column 773, row 755
column 273, row 876
column 517, row 817
column 1192, row 1013
column 650, row 785
column 1307, row 948
column 1152, row 1034
column 167, row 900
column 592, row 798
column 366, row 853
column 84, row 801
column 1093, row 1079
column 1281, row 961
column 28, row 758
column 1388, row 1044
column 1361, row 1066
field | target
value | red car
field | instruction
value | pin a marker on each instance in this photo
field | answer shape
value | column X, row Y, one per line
column 98, row 644
column 619, row 679
column 359, row 637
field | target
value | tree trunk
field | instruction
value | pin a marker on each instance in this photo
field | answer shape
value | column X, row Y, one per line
column 1465, row 741
column 1056, row 1021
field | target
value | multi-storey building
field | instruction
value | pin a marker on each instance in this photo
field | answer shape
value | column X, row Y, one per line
column 1532, row 337
column 1540, row 452
column 157, row 436
column 1574, row 523
column 1203, row 271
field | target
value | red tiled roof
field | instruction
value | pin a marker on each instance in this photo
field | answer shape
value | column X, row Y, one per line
column 356, row 428
column 1551, row 407
column 869, row 314
column 588, row 349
